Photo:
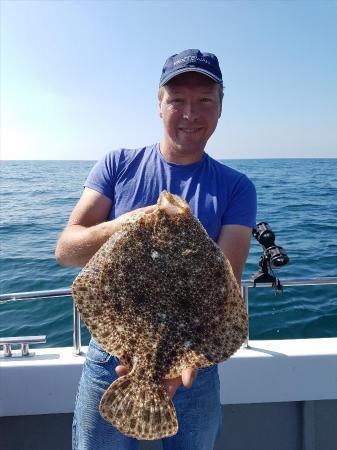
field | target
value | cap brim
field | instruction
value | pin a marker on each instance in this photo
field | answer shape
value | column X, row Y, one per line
column 190, row 69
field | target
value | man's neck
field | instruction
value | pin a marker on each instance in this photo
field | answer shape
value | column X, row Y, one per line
column 180, row 156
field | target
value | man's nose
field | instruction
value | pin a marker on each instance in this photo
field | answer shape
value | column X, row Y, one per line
column 190, row 111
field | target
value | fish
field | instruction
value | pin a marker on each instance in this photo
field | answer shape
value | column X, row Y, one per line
column 161, row 296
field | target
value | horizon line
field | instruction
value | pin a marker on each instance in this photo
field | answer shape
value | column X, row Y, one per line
column 229, row 158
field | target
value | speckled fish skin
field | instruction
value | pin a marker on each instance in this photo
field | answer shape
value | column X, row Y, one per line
column 161, row 296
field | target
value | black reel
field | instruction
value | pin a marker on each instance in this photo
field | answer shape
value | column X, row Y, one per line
column 273, row 256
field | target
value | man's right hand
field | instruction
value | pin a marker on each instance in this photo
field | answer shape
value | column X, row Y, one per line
column 126, row 216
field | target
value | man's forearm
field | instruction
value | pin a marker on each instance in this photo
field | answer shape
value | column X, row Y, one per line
column 77, row 244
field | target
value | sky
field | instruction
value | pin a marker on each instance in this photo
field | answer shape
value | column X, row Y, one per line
column 80, row 78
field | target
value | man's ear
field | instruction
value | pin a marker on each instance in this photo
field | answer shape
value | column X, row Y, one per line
column 160, row 113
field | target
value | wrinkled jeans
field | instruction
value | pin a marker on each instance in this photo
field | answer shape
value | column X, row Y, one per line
column 198, row 409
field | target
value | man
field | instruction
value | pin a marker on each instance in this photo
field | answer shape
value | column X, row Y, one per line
column 127, row 181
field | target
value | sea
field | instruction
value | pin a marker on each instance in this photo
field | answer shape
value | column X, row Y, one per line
column 297, row 197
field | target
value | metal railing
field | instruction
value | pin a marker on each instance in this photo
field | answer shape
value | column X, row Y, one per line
column 245, row 286
column 43, row 295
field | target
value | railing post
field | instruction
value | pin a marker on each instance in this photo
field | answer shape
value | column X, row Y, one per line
column 76, row 330
column 244, row 293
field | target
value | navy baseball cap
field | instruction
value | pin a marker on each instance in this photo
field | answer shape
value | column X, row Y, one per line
column 191, row 60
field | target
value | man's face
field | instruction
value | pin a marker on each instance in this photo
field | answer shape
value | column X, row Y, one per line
column 190, row 108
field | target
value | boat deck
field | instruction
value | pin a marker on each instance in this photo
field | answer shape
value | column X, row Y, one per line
column 276, row 395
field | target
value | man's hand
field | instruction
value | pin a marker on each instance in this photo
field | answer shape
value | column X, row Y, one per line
column 124, row 217
column 187, row 377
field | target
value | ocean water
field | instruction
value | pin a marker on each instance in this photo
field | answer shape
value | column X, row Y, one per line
column 297, row 197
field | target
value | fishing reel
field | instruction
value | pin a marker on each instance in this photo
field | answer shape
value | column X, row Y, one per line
column 273, row 256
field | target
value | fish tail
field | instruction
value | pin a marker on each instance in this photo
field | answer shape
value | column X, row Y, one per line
column 139, row 409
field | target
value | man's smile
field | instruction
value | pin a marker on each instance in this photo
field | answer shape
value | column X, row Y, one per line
column 190, row 130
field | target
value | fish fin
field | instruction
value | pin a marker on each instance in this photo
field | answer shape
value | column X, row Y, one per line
column 139, row 410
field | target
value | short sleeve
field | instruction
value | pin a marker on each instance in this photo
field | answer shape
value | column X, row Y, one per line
column 242, row 204
column 102, row 176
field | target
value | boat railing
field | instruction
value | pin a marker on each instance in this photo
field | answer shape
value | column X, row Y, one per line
column 47, row 294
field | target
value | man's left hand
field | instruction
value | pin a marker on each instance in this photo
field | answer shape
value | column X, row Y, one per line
column 187, row 377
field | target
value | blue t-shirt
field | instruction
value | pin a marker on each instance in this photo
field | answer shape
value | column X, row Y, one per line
column 217, row 194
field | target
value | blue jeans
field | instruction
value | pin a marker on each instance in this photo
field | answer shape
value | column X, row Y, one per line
column 198, row 409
